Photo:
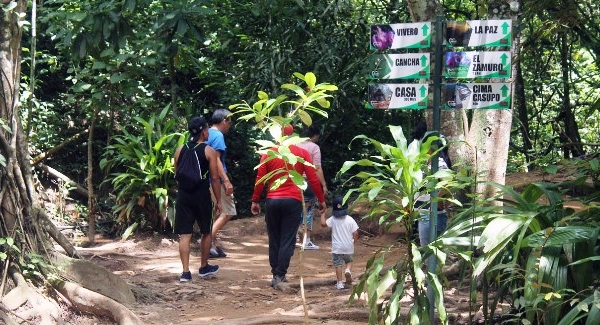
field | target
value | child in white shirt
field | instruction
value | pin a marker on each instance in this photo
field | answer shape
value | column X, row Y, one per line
column 344, row 233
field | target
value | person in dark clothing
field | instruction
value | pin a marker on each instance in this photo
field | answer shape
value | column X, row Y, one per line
column 283, row 213
column 196, row 205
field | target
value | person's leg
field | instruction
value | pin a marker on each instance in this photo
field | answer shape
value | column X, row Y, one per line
column 204, row 249
column 227, row 213
column 338, row 263
column 309, row 223
column 184, row 251
column 216, row 250
column 348, row 259
column 338, row 273
column 204, row 220
column 290, row 214
column 424, row 230
column 309, row 218
column 184, row 227
column 273, row 224
column 442, row 221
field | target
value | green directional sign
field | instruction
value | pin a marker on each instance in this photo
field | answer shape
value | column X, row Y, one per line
column 488, row 33
column 401, row 36
column 397, row 96
column 400, row 66
column 477, row 95
column 477, row 64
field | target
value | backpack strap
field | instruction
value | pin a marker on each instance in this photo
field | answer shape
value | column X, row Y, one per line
column 197, row 159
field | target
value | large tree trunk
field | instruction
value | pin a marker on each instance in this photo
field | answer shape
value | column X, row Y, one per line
column 21, row 217
column 16, row 189
column 481, row 137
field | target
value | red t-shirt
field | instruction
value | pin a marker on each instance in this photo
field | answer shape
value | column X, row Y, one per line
column 288, row 189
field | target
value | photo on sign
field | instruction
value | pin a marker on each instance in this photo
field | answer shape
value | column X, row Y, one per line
column 382, row 36
column 456, row 94
column 458, row 33
column 380, row 95
column 457, row 61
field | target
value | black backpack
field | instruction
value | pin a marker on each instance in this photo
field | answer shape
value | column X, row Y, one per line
column 189, row 173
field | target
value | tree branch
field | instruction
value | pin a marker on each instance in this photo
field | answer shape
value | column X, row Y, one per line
column 52, row 151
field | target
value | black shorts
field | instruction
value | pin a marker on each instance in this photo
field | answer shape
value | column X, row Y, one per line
column 193, row 206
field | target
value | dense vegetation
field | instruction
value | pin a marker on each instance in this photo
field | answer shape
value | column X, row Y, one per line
column 107, row 87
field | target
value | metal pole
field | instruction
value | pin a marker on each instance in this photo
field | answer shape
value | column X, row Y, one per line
column 437, row 92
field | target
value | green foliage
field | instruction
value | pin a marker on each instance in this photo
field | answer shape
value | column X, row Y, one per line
column 30, row 264
column 389, row 182
column 8, row 248
column 268, row 115
column 541, row 253
column 141, row 169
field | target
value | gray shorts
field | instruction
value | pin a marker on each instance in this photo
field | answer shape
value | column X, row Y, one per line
column 227, row 202
column 340, row 259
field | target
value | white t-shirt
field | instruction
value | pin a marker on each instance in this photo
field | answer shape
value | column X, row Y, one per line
column 342, row 230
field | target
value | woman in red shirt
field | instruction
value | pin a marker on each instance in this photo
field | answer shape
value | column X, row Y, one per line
column 283, row 208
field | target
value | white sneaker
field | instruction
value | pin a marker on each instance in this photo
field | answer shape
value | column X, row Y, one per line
column 309, row 245
column 348, row 277
column 340, row 285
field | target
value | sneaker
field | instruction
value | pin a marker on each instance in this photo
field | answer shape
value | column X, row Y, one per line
column 310, row 245
column 220, row 252
column 348, row 277
column 208, row 270
column 185, row 277
column 340, row 285
column 278, row 279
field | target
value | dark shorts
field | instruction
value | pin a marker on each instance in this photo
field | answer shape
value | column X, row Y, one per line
column 191, row 207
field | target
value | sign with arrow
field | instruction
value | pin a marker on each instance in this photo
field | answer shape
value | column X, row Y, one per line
column 401, row 36
column 477, row 64
column 398, row 96
column 488, row 33
column 400, row 66
column 477, row 95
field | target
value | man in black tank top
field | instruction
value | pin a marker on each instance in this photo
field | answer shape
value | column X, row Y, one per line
column 196, row 205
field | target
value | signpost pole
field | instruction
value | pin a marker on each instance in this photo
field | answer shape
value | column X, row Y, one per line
column 437, row 108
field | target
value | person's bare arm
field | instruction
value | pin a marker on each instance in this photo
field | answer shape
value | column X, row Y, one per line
column 355, row 236
column 176, row 159
column 323, row 221
column 321, row 177
column 215, row 180
column 223, row 176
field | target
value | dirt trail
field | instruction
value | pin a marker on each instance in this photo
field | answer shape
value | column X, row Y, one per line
column 242, row 288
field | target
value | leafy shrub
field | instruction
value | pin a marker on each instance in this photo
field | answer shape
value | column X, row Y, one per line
column 390, row 181
column 141, row 170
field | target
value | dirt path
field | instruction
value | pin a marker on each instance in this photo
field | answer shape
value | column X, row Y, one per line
column 241, row 292
column 241, row 289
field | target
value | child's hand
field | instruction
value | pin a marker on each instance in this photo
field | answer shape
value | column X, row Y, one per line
column 322, row 207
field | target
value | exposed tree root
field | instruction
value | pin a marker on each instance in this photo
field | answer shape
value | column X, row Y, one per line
column 90, row 302
column 94, row 277
column 34, row 306
column 298, row 318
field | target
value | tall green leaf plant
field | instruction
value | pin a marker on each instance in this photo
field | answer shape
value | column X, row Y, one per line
column 539, row 252
column 141, row 171
column 389, row 183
